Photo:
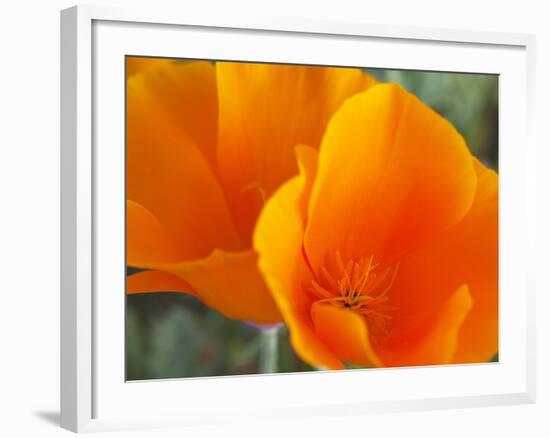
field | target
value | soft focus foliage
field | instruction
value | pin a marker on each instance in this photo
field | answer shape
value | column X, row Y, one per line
column 172, row 335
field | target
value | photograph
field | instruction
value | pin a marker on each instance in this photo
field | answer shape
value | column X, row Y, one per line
column 285, row 218
column 276, row 219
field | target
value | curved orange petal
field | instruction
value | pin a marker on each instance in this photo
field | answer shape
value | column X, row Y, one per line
column 229, row 283
column 307, row 158
column 167, row 171
column 265, row 111
column 478, row 337
column 345, row 333
column 137, row 64
column 278, row 240
column 156, row 281
column 434, row 344
column 146, row 240
column 392, row 173
column 184, row 92
column 467, row 254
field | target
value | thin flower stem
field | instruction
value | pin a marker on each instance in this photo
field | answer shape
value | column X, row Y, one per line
column 268, row 350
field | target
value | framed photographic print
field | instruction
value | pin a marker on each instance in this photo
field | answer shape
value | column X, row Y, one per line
column 251, row 208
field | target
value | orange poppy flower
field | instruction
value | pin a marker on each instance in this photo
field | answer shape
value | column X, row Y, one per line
column 383, row 250
column 206, row 145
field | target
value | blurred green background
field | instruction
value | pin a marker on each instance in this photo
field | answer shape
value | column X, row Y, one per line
column 170, row 335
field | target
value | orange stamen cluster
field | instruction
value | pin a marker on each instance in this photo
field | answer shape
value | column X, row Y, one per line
column 361, row 286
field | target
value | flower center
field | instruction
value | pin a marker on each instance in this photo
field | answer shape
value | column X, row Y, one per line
column 360, row 285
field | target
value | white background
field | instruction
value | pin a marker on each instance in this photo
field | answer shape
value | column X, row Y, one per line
column 29, row 219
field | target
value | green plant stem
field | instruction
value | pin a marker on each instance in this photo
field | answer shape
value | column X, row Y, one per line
column 268, row 350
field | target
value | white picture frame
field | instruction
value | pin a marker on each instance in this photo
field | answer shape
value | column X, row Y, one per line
column 94, row 395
